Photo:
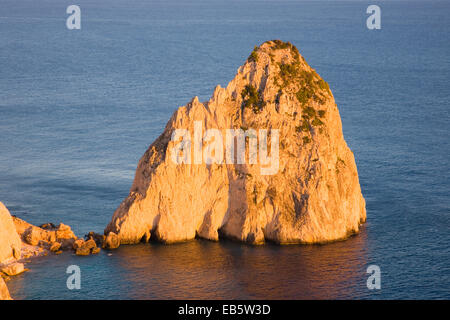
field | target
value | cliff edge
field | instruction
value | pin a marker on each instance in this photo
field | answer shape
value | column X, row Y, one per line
column 10, row 242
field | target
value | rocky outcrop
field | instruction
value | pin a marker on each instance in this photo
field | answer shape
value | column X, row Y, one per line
column 37, row 236
column 86, row 248
column 98, row 238
column 91, row 245
column 47, row 237
column 10, row 251
column 13, row 269
column 20, row 240
column 310, row 195
column 112, row 241
column 10, row 244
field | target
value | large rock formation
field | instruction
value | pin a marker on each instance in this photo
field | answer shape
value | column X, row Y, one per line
column 310, row 195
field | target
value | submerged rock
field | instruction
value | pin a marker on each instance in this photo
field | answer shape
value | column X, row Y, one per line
column 310, row 193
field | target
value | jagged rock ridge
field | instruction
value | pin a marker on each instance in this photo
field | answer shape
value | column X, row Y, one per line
column 313, row 197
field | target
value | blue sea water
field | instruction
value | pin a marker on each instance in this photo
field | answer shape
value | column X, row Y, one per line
column 78, row 108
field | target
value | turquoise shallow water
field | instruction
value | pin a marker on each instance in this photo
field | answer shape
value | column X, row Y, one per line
column 79, row 108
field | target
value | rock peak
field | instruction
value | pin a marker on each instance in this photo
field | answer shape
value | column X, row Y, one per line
column 273, row 47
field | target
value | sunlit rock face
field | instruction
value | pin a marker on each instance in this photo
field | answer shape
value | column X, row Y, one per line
column 21, row 240
column 308, row 192
column 4, row 292
column 10, row 243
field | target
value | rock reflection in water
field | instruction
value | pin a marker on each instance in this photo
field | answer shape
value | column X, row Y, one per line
column 226, row 270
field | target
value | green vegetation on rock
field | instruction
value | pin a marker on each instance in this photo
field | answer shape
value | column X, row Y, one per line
column 253, row 56
column 324, row 85
column 252, row 99
column 317, row 122
column 279, row 45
